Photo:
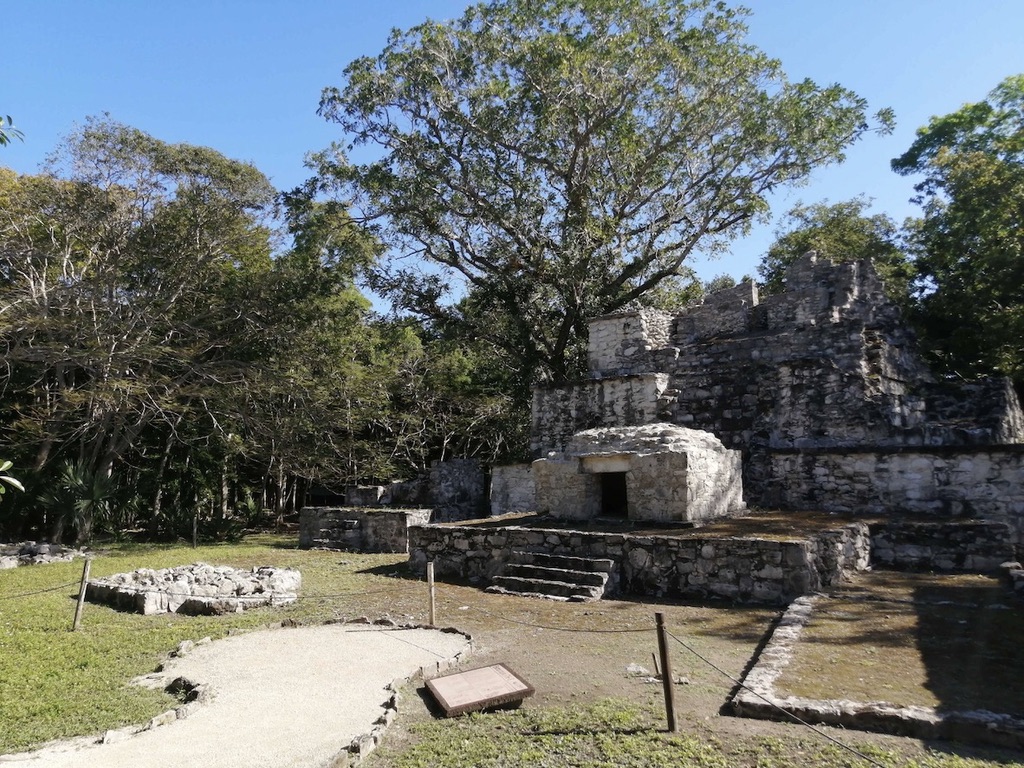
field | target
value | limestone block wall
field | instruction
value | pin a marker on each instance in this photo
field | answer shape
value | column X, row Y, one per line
column 512, row 489
column 671, row 474
column 361, row 529
column 620, row 343
column 742, row 569
column 961, row 545
column 980, row 482
column 560, row 412
column 564, row 490
column 723, row 313
column 458, row 490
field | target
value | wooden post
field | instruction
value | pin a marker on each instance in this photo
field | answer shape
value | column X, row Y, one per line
column 666, row 673
column 430, row 586
column 81, row 594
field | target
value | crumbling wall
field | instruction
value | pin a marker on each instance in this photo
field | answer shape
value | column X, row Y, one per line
column 458, row 490
column 512, row 489
column 621, row 343
column 966, row 546
column 671, row 474
column 808, row 381
column 735, row 568
column 358, row 529
column 560, row 412
column 978, row 482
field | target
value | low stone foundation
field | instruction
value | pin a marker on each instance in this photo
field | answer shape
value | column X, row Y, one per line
column 969, row 546
column 359, row 529
column 758, row 699
column 981, row 482
column 196, row 589
column 33, row 553
column 687, row 566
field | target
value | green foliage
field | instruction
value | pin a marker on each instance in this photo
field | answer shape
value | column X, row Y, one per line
column 605, row 733
column 155, row 331
column 969, row 244
column 8, row 131
column 677, row 293
column 6, row 480
column 839, row 232
column 554, row 161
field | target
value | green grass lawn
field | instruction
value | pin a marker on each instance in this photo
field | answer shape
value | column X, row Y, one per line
column 55, row 683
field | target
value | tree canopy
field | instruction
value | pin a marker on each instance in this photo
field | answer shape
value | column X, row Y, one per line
column 969, row 244
column 839, row 232
column 554, row 160
column 157, row 335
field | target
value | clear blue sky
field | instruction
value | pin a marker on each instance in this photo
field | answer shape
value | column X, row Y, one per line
column 244, row 76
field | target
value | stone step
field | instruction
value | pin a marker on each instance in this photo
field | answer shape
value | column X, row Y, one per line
column 547, row 573
column 558, row 590
column 564, row 562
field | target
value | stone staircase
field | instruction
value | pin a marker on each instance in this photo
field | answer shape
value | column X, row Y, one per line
column 555, row 577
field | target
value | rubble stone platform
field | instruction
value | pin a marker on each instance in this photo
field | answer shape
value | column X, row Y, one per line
column 196, row 589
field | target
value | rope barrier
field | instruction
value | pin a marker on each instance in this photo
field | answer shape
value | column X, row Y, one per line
column 786, row 712
column 561, row 629
column 38, row 591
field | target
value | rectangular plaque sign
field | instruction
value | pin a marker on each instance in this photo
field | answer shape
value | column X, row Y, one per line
column 477, row 689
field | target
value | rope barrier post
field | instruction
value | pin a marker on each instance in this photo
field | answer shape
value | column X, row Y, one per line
column 81, row 594
column 666, row 674
column 430, row 587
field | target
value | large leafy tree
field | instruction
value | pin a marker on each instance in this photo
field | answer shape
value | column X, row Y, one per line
column 839, row 232
column 969, row 244
column 157, row 340
column 556, row 160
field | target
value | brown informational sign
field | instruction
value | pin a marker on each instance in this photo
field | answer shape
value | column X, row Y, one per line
column 477, row 689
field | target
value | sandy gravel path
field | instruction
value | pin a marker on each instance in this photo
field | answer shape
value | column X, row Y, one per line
column 283, row 697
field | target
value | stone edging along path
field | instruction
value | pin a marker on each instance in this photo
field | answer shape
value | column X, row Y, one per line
column 379, row 713
column 758, row 699
column 360, row 746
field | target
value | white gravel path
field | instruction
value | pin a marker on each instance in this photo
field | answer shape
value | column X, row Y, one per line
column 283, row 697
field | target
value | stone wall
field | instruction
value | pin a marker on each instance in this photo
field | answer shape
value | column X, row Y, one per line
column 819, row 386
column 512, row 489
column 670, row 474
column 359, row 529
column 621, row 342
column 558, row 413
column 964, row 546
column 985, row 483
column 457, row 490
column 742, row 569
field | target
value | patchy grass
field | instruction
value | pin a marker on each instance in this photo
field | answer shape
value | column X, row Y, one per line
column 948, row 642
column 55, row 683
column 613, row 733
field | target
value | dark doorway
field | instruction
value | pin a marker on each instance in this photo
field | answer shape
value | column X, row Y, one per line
column 613, row 494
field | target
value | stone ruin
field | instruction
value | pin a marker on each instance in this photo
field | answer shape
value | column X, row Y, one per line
column 35, row 553
column 818, row 388
column 657, row 472
column 197, row 589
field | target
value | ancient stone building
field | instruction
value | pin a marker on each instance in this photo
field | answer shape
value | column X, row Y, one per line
column 819, row 389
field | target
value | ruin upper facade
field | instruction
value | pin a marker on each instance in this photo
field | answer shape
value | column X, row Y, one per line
column 825, row 369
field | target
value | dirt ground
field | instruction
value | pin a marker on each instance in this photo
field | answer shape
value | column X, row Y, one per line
column 949, row 642
column 586, row 659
